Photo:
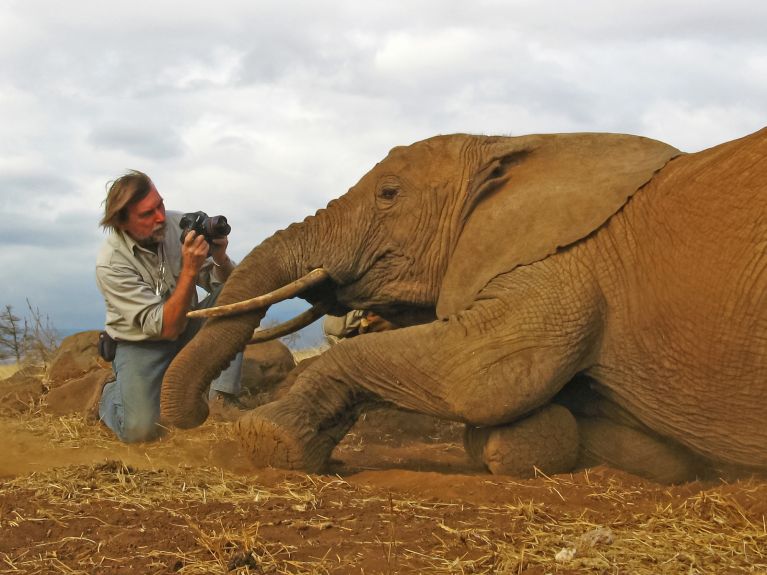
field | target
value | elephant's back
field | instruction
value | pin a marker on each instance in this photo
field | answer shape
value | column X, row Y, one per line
column 686, row 344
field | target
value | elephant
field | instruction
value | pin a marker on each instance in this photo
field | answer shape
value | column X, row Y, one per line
column 574, row 299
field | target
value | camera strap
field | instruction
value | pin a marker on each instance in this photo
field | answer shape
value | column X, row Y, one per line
column 161, row 284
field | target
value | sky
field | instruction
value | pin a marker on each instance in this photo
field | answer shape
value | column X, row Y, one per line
column 265, row 111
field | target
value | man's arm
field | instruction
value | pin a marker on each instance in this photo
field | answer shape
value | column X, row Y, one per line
column 194, row 252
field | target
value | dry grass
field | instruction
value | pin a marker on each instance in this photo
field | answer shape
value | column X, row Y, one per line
column 237, row 528
column 59, row 440
column 76, row 492
column 113, row 517
column 187, row 504
column 8, row 369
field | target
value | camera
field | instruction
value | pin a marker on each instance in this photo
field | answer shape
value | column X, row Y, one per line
column 211, row 227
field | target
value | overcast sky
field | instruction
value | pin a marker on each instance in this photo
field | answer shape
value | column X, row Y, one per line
column 264, row 111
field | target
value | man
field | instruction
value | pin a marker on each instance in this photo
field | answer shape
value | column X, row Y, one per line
column 149, row 280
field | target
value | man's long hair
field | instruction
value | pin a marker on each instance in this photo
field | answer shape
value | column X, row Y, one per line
column 125, row 191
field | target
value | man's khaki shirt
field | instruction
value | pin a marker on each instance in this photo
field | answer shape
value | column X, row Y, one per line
column 136, row 282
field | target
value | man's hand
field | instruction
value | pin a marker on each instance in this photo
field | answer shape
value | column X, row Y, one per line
column 194, row 252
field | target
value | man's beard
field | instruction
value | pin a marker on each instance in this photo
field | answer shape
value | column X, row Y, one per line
column 157, row 236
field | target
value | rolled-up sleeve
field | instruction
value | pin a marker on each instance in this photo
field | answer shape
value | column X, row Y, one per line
column 134, row 310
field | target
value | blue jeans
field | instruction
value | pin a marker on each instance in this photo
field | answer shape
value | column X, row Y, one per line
column 130, row 405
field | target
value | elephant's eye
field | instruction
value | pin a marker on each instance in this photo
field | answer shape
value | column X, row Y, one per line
column 388, row 193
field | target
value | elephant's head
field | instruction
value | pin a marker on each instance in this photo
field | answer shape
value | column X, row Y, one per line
column 421, row 233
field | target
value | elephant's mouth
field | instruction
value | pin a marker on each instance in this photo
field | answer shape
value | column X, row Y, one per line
column 388, row 285
column 317, row 286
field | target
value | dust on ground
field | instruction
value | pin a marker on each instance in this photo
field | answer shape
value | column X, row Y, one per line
column 75, row 500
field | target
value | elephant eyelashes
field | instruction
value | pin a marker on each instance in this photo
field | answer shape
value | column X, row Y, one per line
column 389, row 193
column 497, row 172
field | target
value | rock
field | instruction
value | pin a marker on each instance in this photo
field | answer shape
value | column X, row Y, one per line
column 75, row 374
column 264, row 366
column 77, row 355
column 22, row 390
column 596, row 537
column 77, row 370
column 290, row 378
column 565, row 554
column 77, row 395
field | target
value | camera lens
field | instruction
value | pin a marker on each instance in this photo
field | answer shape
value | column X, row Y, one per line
column 218, row 227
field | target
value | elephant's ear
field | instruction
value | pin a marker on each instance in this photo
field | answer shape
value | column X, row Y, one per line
column 534, row 194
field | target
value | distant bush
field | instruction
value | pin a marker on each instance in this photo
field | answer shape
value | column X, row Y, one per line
column 27, row 340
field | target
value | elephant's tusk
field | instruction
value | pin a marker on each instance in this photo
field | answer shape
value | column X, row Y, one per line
column 300, row 321
column 285, row 292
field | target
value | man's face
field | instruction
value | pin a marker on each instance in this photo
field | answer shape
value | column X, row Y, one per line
column 146, row 220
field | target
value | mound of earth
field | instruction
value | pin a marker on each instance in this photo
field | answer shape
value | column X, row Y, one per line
column 77, row 372
column 21, row 390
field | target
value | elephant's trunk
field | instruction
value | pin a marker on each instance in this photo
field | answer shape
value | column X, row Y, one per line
column 182, row 401
column 320, row 241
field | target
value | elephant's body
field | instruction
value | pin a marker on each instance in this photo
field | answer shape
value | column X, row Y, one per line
column 642, row 315
column 683, row 272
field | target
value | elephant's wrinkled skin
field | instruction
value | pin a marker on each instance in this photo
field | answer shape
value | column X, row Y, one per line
column 597, row 290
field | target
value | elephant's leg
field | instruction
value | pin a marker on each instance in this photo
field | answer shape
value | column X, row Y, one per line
column 610, row 435
column 546, row 440
column 604, row 441
column 300, row 429
column 279, row 435
column 497, row 362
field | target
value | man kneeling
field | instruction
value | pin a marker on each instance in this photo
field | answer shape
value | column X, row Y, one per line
column 148, row 270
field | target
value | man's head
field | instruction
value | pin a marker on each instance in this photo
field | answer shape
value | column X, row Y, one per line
column 134, row 206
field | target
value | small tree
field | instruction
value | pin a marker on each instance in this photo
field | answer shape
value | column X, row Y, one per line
column 11, row 335
column 291, row 339
column 40, row 337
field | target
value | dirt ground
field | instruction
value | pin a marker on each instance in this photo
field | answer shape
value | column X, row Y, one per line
column 74, row 500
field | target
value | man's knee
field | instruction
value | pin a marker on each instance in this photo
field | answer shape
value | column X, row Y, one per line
column 136, row 397
column 143, row 429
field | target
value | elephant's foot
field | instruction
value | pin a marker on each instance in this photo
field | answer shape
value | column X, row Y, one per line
column 279, row 434
column 546, row 440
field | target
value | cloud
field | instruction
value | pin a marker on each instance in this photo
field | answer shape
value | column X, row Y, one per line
column 32, row 184
column 54, row 231
column 144, row 141
column 57, row 279
column 265, row 111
